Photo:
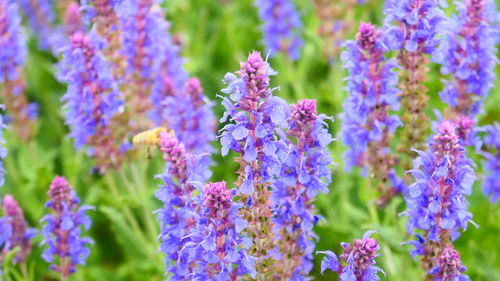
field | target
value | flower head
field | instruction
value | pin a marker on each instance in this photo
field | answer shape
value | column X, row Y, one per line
column 41, row 19
column 449, row 266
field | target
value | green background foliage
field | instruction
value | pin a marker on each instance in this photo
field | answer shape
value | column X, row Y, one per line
column 217, row 35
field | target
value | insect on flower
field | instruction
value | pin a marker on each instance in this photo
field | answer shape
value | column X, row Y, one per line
column 150, row 137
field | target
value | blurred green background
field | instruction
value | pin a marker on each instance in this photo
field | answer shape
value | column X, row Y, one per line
column 216, row 36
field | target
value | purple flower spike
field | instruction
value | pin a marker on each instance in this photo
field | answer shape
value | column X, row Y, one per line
column 305, row 171
column 467, row 54
column 5, row 235
column 62, row 229
column 41, row 18
column 255, row 115
column 73, row 21
column 449, row 266
column 491, row 185
column 359, row 258
column 20, row 235
column 367, row 125
column 437, row 201
column 92, row 99
column 282, row 26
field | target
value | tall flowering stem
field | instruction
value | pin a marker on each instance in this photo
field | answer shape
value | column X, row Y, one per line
column 92, row 100
column 281, row 26
column 467, row 54
column 255, row 115
column 62, row 229
column 20, row 235
column 179, row 214
column 359, row 258
column 13, row 53
column 412, row 28
column 367, row 125
column 437, row 201
column 491, row 185
column 304, row 173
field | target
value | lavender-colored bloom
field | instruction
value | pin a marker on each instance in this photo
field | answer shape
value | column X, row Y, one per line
column 73, row 21
column 20, row 235
column 491, row 185
column 3, row 150
column 92, row 98
column 13, row 49
column 41, row 18
column 358, row 257
column 282, row 26
column 304, row 172
column 62, row 229
column 467, row 54
column 183, row 174
column 255, row 116
column 367, row 124
column 437, row 201
column 217, row 249
column 449, row 266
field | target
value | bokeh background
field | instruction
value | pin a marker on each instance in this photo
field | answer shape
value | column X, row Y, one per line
column 216, row 35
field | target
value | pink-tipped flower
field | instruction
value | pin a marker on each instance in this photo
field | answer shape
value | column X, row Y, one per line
column 449, row 266
column 73, row 21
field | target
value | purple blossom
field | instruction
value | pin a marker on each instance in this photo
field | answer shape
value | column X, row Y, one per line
column 367, row 125
column 62, row 229
column 5, row 234
column 358, row 257
column 449, row 266
column 282, row 26
column 305, row 171
column 41, row 17
column 183, row 174
column 3, row 150
column 20, row 234
column 491, row 185
column 92, row 98
column 437, row 201
column 255, row 116
column 467, row 54
column 73, row 21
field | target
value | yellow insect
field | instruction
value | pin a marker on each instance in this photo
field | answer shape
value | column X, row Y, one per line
column 149, row 138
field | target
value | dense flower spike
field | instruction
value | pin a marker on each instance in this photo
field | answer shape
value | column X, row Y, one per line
column 255, row 114
column 359, row 258
column 491, row 185
column 468, row 55
column 412, row 28
column 367, row 125
column 282, row 26
column 92, row 99
column 217, row 247
column 13, row 53
column 437, row 201
column 20, row 233
column 41, row 18
column 449, row 266
column 62, row 229
column 305, row 171
column 182, row 175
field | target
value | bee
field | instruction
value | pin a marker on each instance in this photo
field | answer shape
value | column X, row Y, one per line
column 149, row 138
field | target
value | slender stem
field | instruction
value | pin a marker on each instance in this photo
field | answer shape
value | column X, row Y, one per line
column 141, row 186
column 24, row 271
column 64, row 269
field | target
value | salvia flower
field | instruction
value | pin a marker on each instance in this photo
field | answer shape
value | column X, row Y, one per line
column 359, row 258
column 92, row 99
column 183, row 174
column 467, row 54
column 62, row 229
column 304, row 172
column 282, row 26
column 72, row 18
column 491, row 185
column 367, row 125
column 5, row 234
column 13, row 53
column 20, row 233
column 41, row 18
column 437, row 201
column 216, row 246
column 411, row 26
column 449, row 266
column 255, row 115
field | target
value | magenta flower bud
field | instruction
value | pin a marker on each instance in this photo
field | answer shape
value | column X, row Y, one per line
column 217, row 199
column 367, row 36
column 304, row 111
column 446, row 142
column 73, row 21
column 21, row 235
column 449, row 266
column 195, row 91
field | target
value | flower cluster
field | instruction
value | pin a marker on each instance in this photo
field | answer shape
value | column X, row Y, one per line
column 491, row 185
column 411, row 29
column 449, row 266
column 367, row 125
column 304, row 172
column 282, row 26
column 41, row 18
column 437, row 202
column 73, row 21
column 359, row 258
column 92, row 98
column 20, row 234
column 467, row 54
column 256, row 115
column 62, row 229
column 13, row 53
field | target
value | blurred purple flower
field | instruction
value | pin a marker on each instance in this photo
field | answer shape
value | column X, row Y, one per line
column 491, row 185
column 41, row 18
column 3, row 150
